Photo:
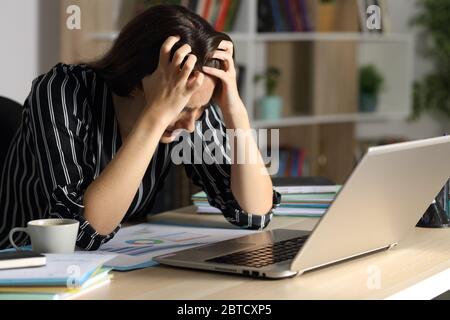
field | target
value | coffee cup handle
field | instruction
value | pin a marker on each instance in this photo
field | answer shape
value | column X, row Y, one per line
column 14, row 230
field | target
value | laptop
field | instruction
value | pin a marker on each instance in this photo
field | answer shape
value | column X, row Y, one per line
column 380, row 203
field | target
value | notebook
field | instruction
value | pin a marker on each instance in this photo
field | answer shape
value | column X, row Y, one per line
column 21, row 259
column 99, row 278
column 67, row 270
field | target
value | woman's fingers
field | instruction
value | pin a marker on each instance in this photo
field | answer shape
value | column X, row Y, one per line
column 188, row 67
column 227, row 46
column 180, row 55
column 215, row 72
column 196, row 81
column 164, row 53
column 225, row 57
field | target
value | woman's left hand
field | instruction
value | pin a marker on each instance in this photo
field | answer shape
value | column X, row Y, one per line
column 229, row 99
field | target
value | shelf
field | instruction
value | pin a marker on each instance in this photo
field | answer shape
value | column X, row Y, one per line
column 292, row 36
column 332, row 36
column 323, row 119
column 239, row 36
column 104, row 36
column 111, row 36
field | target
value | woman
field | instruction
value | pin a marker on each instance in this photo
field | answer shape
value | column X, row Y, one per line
column 96, row 139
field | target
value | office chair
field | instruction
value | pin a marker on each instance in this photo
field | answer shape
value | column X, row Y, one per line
column 10, row 118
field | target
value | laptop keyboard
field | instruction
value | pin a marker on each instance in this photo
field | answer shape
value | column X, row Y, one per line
column 264, row 256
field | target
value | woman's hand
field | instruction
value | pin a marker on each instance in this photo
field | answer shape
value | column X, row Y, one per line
column 169, row 88
column 229, row 99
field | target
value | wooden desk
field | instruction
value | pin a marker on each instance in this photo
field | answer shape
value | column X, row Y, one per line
column 424, row 253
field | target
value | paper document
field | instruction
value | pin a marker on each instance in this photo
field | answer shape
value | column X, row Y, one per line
column 137, row 245
column 61, row 270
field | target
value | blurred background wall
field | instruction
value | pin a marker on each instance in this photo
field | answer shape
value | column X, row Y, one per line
column 29, row 32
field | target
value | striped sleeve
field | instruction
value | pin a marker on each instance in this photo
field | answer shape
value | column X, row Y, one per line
column 61, row 125
column 214, row 176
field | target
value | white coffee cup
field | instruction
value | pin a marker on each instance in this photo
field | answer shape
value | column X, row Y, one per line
column 50, row 235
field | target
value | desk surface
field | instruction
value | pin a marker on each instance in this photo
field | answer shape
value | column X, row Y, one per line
column 423, row 254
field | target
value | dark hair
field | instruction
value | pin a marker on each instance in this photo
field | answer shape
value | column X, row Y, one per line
column 135, row 53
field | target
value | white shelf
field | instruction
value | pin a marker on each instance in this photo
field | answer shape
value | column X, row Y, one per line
column 291, row 36
column 334, row 118
column 239, row 36
column 104, row 36
column 332, row 36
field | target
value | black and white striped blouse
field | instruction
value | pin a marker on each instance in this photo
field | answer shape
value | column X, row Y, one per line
column 69, row 133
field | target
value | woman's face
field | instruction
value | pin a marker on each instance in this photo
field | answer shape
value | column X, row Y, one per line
column 192, row 112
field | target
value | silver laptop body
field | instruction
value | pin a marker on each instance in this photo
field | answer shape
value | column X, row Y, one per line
column 380, row 203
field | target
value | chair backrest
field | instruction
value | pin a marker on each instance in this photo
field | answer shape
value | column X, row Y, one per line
column 10, row 118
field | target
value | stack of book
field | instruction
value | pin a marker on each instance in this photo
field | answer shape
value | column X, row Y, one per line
column 297, row 201
column 219, row 13
column 62, row 277
column 292, row 163
column 319, row 16
column 285, row 15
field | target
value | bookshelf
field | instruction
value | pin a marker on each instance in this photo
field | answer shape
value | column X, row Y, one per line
column 324, row 123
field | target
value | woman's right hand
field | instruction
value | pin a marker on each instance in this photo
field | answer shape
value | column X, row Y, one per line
column 168, row 89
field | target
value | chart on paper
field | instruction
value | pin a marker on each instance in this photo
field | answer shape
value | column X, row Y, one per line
column 137, row 245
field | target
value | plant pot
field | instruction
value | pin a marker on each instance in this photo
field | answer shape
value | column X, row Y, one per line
column 270, row 107
column 368, row 102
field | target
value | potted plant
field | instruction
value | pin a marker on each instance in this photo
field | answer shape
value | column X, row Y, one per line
column 370, row 84
column 431, row 93
column 271, row 104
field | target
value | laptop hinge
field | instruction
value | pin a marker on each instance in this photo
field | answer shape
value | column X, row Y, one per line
column 392, row 246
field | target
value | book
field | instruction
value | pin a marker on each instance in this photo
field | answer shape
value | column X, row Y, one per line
column 280, row 211
column 241, row 70
column 305, row 15
column 311, row 200
column 200, row 7
column 385, row 16
column 295, row 162
column 302, row 181
column 98, row 279
column 214, row 14
column 265, row 18
column 21, row 259
column 207, row 9
column 234, row 7
column 297, row 16
column 222, row 15
column 192, row 5
column 307, row 189
column 326, row 16
column 291, row 162
column 362, row 15
column 67, row 270
column 289, row 8
column 301, row 162
column 284, row 16
column 277, row 18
